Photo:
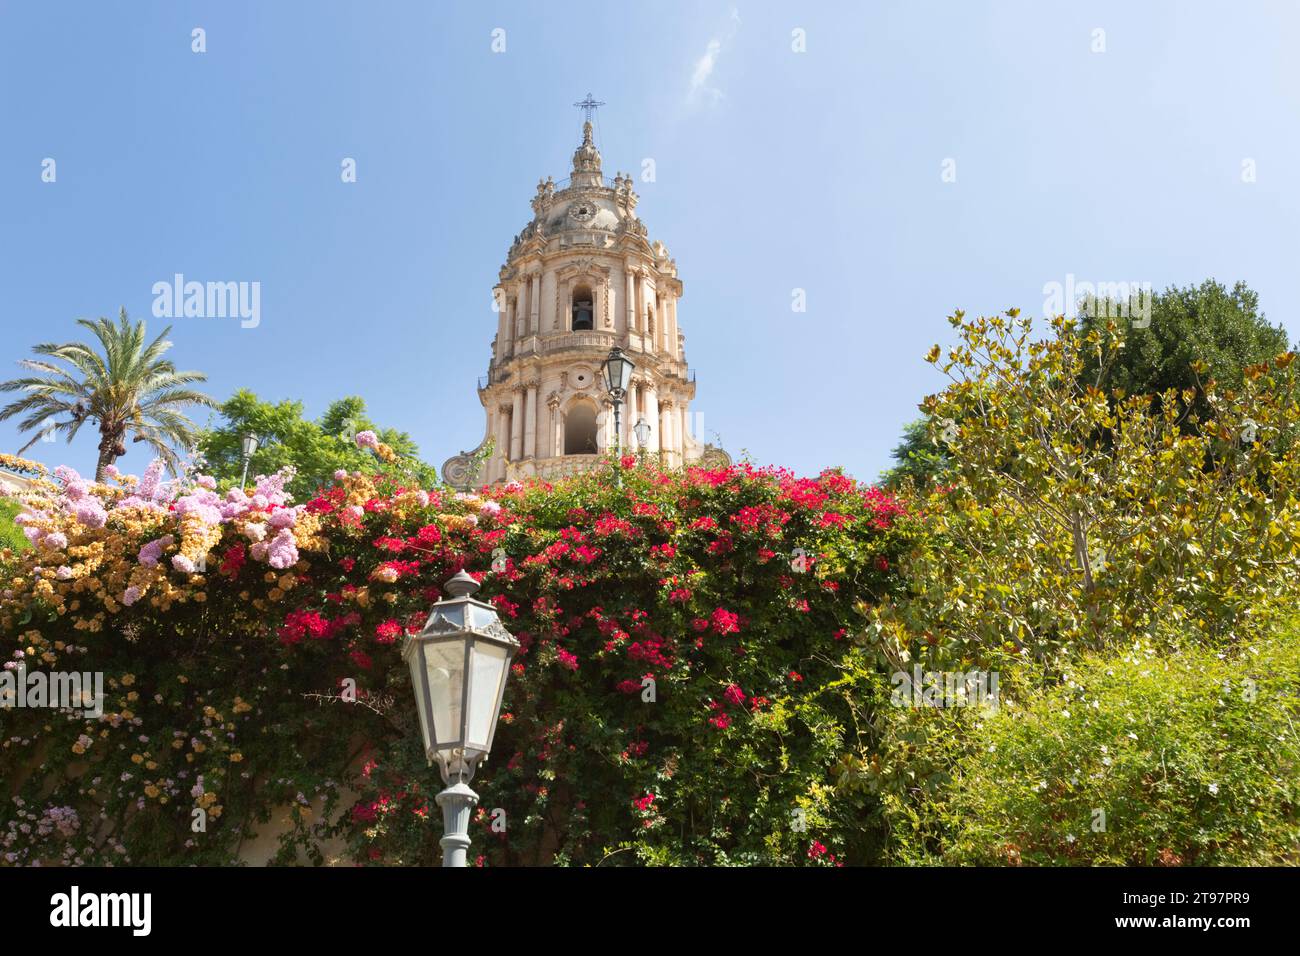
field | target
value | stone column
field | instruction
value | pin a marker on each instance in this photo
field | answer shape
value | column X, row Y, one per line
column 534, row 302
column 530, row 421
column 517, row 424
column 503, row 319
column 682, row 426
column 557, row 433
column 652, row 416
column 671, row 344
column 640, row 303
column 631, row 297
column 605, row 424
column 629, row 419
column 503, row 437
column 667, row 441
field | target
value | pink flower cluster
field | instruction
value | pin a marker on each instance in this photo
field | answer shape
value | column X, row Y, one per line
column 151, row 493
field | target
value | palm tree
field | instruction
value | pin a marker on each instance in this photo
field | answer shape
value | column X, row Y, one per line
column 129, row 388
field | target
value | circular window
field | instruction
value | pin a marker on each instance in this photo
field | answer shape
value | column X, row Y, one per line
column 582, row 211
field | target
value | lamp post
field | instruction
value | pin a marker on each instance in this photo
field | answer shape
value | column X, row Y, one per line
column 250, row 444
column 617, row 369
column 642, row 431
column 459, row 664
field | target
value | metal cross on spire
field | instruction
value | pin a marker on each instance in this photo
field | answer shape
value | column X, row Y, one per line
column 588, row 106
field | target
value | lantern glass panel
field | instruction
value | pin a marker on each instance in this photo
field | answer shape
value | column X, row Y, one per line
column 480, row 618
column 489, row 664
column 452, row 613
column 444, row 666
column 416, row 662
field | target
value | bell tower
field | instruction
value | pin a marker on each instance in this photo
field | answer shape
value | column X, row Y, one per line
column 581, row 278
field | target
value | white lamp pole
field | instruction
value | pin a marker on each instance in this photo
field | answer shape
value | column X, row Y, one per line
column 459, row 664
column 250, row 444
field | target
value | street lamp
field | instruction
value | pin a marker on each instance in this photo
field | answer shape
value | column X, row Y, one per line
column 250, row 449
column 618, row 375
column 642, row 431
column 459, row 664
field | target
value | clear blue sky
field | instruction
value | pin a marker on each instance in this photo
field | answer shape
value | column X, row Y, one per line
column 776, row 170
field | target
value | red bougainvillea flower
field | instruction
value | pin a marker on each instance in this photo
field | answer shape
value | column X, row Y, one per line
column 298, row 624
column 733, row 694
column 634, row 685
column 388, row 632
column 721, row 721
column 645, row 804
column 233, row 559
column 796, row 676
column 725, row 622
column 609, row 524
column 505, row 606
column 722, row 544
column 635, row 749
column 566, row 659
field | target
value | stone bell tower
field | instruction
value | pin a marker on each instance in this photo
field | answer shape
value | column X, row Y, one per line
column 581, row 278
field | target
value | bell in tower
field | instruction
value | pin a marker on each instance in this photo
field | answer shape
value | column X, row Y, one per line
column 582, row 311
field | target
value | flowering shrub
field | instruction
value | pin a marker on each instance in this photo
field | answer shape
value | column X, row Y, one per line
column 681, row 694
column 1137, row 758
column 1072, row 521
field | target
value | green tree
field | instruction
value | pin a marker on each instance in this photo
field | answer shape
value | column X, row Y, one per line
column 1070, row 517
column 315, row 448
column 1208, row 328
column 916, row 457
column 128, row 389
column 11, row 536
column 1220, row 328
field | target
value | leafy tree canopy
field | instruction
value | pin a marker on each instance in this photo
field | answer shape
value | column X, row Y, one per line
column 916, row 457
column 1209, row 324
column 1191, row 336
column 315, row 448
